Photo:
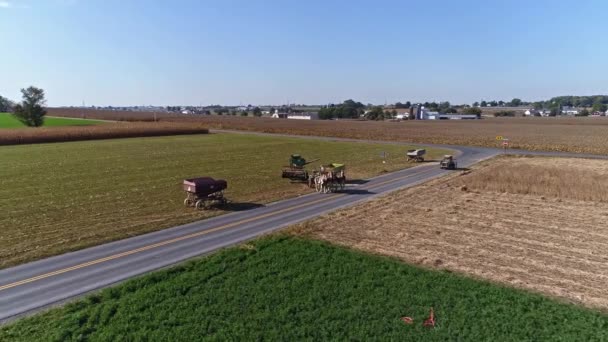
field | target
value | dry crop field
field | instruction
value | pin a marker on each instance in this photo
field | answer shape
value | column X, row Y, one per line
column 102, row 114
column 582, row 135
column 532, row 223
column 106, row 131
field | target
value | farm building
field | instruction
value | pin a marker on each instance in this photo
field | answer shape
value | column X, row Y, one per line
column 426, row 115
column 303, row 116
column 297, row 116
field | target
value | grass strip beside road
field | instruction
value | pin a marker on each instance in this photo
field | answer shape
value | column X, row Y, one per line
column 8, row 121
column 67, row 196
column 292, row 289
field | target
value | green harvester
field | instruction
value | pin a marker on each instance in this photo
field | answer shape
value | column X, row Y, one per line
column 296, row 169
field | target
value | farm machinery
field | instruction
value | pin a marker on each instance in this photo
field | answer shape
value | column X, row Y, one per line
column 204, row 192
column 329, row 178
column 296, row 170
column 448, row 162
column 415, row 155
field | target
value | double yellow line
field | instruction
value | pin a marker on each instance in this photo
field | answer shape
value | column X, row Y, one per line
column 189, row 236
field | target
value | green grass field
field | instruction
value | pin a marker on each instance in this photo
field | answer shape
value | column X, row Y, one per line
column 8, row 121
column 283, row 288
column 66, row 196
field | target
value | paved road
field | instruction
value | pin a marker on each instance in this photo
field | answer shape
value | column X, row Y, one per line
column 30, row 287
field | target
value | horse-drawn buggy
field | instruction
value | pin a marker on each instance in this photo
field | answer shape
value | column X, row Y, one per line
column 329, row 178
column 204, row 192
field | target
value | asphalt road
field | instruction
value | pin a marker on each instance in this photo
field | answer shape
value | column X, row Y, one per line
column 30, row 287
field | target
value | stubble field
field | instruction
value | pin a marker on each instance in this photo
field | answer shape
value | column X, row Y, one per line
column 532, row 223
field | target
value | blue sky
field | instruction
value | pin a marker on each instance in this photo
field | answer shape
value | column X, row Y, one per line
column 138, row 52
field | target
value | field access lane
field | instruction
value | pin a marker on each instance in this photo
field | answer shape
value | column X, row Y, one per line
column 32, row 286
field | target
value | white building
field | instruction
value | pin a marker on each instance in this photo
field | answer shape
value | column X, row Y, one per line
column 303, row 116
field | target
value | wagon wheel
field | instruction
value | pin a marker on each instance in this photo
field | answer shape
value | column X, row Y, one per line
column 188, row 202
column 200, row 204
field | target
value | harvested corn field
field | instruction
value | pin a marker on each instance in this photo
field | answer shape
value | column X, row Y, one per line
column 580, row 135
column 485, row 224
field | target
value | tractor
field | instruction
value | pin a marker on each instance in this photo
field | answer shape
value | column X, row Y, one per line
column 448, row 163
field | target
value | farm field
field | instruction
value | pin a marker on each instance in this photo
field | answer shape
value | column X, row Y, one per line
column 61, row 197
column 566, row 134
column 288, row 288
column 532, row 223
column 8, row 121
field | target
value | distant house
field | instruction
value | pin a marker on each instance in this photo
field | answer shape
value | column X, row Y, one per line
column 569, row 110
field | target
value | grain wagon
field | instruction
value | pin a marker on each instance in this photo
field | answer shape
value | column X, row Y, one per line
column 204, row 192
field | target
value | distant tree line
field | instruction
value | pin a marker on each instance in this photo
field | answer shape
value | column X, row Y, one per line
column 349, row 109
column 513, row 103
column 579, row 101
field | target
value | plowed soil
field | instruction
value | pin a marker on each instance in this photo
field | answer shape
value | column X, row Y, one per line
column 546, row 242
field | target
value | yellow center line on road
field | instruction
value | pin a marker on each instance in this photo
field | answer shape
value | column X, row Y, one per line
column 189, row 236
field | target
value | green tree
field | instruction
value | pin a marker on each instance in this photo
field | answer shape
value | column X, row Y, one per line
column 599, row 107
column 516, row 102
column 257, row 112
column 484, row 104
column 538, row 105
column 31, row 110
column 443, row 106
column 504, row 113
column 475, row 104
column 583, row 112
column 377, row 113
column 472, row 110
column 5, row 104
